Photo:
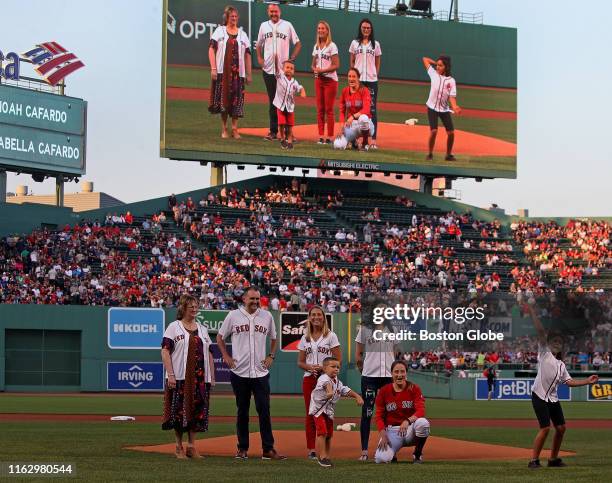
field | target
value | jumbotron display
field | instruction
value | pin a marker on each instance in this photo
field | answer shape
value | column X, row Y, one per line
column 254, row 83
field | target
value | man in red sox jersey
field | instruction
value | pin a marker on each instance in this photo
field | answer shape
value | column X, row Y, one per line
column 400, row 417
column 248, row 328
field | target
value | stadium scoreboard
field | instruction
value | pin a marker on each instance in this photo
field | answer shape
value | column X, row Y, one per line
column 42, row 132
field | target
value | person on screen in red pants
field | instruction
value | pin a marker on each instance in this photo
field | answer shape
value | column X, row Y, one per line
column 325, row 62
column 315, row 345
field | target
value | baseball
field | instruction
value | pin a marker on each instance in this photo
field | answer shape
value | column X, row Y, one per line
column 340, row 142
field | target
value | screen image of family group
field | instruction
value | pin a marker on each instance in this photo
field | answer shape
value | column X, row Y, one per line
column 293, row 85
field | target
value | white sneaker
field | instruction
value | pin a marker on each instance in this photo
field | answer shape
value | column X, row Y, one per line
column 363, row 457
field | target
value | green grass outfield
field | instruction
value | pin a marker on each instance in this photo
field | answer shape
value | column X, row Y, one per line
column 388, row 91
column 96, row 448
column 191, row 127
column 282, row 406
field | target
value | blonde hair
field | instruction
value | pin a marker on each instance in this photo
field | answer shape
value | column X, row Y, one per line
column 184, row 301
column 325, row 330
column 226, row 13
column 329, row 35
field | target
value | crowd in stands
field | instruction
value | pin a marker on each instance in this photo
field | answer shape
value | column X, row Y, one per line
column 209, row 252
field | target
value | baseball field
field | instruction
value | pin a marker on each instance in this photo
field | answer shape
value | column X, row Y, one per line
column 485, row 131
column 470, row 441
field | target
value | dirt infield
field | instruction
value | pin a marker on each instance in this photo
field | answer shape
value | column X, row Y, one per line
column 346, row 446
column 197, row 94
column 448, row 422
column 413, row 138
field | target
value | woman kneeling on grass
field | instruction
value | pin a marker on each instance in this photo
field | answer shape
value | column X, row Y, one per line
column 189, row 364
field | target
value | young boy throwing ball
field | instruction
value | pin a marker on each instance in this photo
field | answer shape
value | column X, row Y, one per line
column 326, row 394
column 284, row 101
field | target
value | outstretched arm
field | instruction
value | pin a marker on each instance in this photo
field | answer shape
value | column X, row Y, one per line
column 582, row 382
column 537, row 323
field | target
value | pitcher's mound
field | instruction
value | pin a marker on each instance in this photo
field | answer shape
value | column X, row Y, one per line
column 347, row 445
column 412, row 138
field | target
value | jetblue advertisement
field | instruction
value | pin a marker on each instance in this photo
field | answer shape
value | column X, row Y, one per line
column 514, row 390
column 130, row 328
column 134, row 376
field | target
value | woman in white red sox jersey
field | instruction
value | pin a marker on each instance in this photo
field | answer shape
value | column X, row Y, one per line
column 375, row 367
column 315, row 345
column 364, row 55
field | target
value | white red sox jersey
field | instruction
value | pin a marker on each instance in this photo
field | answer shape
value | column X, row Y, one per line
column 180, row 340
column 276, row 39
column 442, row 88
column 365, row 59
column 286, row 89
column 248, row 334
column 551, row 373
column 319, row 403
column 323, row 57
column 317, row 350
column 379, row 354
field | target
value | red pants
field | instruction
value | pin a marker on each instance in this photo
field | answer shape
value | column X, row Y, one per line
column 324, row 425
column 308, row 384
column 326, row 90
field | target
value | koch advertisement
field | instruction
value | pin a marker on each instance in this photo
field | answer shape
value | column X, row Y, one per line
column 293, row 327
column 132, row 328
column 514, row 389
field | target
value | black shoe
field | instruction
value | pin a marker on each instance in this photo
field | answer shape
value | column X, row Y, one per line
column 321, row 141
column 272, row 455
column 270, row 137
column 241, row 455
column 450, row 157
column 325, row 462
column 534, row 464
column 284, row 144
column 290, row 146
column 556, row 463
column 394, row 460
column 429, row 157
column 328, row 141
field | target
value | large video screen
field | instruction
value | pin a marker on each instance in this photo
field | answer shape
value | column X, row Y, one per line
column 427, row 96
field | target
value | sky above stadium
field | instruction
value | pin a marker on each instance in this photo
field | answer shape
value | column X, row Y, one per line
column 564, row 71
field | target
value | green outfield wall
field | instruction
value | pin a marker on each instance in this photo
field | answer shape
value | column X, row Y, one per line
column 482, row 55
column 50, row 348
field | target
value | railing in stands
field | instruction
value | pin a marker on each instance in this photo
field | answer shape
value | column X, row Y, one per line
column 384, row 7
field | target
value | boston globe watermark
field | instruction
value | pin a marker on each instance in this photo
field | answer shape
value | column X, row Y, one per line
column 434, row 318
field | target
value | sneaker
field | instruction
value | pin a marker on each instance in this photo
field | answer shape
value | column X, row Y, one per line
column 271, row 137
column 533, row 464
column 354, row 146
column 241, row 455
column 365, row 147
column 328, row 141
column 325, row 462
column 312, row 455
column 450, row 157
column 373, row 146
column 363, row 457
column 429, row 157
column 284, row 144
column 556, row 463
column 321, row 141
column 290, row 146
column 272, row 455
column 417, row 461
